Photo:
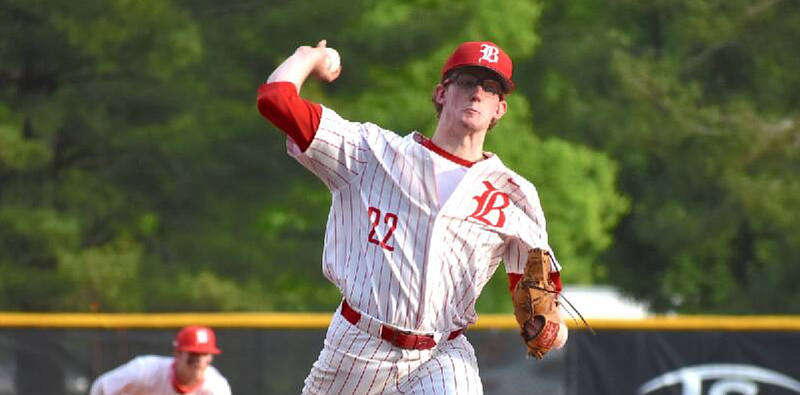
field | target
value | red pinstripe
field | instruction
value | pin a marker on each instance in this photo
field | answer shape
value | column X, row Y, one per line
column 377, row 251
column 334, row 329
column 441, row 374
column 361, row 376
column 334, row 159
column 412, row 246
column 349, row 374
column 359, row 300
column 348, row 249
column 392, row 192
column 355, row 159
column 425, row 266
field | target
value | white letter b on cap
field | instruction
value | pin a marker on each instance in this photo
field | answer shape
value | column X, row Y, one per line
column 489, row 53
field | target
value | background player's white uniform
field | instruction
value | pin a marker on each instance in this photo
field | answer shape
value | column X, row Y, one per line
column 403, row 257
column 152, row 375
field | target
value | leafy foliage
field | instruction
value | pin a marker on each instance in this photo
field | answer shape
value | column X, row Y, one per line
column 686, row 96
column 136, row 174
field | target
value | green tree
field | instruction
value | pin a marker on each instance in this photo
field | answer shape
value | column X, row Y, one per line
column 697, row 100
column 82, row 83
column 132, row 154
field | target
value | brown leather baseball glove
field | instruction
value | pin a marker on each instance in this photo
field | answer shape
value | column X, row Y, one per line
column 536, row 305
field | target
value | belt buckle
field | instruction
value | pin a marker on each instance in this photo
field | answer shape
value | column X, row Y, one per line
column 421, row 342
column 395, row 334
column 424, row 342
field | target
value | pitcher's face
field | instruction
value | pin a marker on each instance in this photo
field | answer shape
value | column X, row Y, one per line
column 472, row 97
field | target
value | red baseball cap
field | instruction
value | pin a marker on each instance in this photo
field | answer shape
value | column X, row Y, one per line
column 197, row 339
column 484, row 54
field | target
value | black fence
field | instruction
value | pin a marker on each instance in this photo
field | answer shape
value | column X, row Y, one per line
column 638, row 359
column 255, row 361
column 685, row 363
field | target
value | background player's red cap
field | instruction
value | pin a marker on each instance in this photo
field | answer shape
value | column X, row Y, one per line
column 484, row 54
column 197, row 339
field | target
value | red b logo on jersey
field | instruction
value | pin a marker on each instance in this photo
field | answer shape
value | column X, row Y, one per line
column 492, row 199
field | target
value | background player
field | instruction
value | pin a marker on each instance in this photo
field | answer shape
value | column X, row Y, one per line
column 417, row 226
column 189, row 371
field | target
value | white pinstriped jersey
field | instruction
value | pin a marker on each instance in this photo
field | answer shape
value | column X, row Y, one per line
column 151, row 375
column 394, row 252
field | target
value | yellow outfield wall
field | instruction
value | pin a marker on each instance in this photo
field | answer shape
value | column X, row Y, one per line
column 321, row 320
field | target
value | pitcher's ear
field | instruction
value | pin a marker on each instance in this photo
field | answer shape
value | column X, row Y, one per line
column 439, row 94
column 502, row 108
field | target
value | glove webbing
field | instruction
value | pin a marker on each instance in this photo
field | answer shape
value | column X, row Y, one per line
column 531, row 284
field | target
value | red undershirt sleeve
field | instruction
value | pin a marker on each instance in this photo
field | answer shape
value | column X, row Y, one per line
column 299, row 118
column 513, row 279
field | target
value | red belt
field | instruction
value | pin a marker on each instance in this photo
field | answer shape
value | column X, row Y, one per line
column 396, row 336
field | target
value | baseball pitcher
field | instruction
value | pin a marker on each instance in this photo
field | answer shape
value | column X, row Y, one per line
column 417, row 227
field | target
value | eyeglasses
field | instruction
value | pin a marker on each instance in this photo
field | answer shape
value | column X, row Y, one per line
column 468, row 82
